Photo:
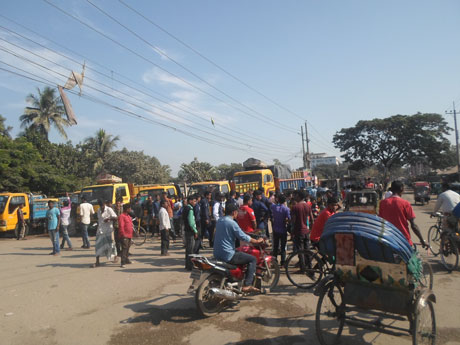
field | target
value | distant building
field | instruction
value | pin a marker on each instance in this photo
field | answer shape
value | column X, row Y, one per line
column 322, row 159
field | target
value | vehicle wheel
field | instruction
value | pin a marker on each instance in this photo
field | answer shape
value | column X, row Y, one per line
column 304, row 269
column 206, row 303
column 424, row 325
column 139, row 236
column 426, row 280
column 449, row 252
column 330, row 314
column 434, row 239
column 271, row 276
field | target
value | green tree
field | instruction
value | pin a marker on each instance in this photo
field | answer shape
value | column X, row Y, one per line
column 226, row 171
column 137, row 167
column 46, row 110
column 100, row 146
column 395, row 141
column 4, row 130
column 196, row 171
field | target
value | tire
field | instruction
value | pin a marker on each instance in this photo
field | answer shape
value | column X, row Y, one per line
column 330, row 314
column 434, row 239
column 271, row 276
column 139, row 236
column 449, row 252
column 209, row 305
column 426, row 280
column 308, row 277
column 16, row 230
column 424, row 326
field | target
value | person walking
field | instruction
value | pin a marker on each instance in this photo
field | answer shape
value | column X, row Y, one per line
column 86, row 210
column 104, row 236
column 165, row 227
column 65, row 221
column 21, row 223
column 190, row 230
column 53, row 217
column 125, row 233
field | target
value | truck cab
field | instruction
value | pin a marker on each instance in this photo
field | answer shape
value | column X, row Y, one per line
column 9, row 204
column 254, row 179
column 145, row 191
column 105, row 192
column 214, row 187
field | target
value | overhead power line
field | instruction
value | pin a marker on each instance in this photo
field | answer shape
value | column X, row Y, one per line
column 261, row 117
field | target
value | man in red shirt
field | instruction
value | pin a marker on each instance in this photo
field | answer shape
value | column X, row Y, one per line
column 318, row 227
column 125, row 233
column 399, row 212
column 246, row 218
column 302, row 220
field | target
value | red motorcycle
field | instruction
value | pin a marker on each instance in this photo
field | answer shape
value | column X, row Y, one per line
column 215, row 283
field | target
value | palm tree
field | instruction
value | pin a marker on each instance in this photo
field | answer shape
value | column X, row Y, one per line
column 101, row 144
column 45, row 110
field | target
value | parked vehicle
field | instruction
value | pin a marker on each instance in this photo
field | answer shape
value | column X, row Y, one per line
column 212, row 186
column 156, row 189
column 215, row 283
column 421, row 194
column 364, row 201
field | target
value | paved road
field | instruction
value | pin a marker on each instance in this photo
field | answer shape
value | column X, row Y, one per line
column 60, row 300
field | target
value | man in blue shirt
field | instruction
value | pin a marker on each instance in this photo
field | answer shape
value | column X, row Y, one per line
column 227, row 231
column 53, row 216
column 260, row 211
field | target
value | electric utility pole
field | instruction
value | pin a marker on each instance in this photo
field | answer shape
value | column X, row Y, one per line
column 308, row 165
column 456, row 134
column 303, row 148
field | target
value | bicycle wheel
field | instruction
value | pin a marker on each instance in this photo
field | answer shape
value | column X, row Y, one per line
column 426, row 279
column 449, row 252
column 434, row 239
column 304, row 269
column 139, row 236
column 330, row 314
column 424, row 330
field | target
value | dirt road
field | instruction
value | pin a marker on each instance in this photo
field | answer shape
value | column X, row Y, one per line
column 60, row 300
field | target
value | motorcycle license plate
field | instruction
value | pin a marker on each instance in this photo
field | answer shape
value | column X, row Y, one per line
column 196, row 274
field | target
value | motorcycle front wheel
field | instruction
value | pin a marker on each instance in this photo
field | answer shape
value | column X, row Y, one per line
column 206, row 302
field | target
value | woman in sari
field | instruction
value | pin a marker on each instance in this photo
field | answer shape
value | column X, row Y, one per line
column 104, row 236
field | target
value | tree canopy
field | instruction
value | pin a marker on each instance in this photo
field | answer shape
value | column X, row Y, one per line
column 395, row 141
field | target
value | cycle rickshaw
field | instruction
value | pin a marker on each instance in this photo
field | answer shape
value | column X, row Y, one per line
column 377, row 277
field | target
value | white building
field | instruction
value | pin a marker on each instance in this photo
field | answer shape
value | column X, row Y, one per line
column 322, row 159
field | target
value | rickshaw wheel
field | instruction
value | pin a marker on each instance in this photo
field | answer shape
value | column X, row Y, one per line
column 330, row 314
column 424, row 326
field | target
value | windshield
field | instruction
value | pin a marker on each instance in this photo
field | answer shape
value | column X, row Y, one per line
column 202, row 188
column 92, row 195
column 248, row 178
column 3, row 201
column 150, row 192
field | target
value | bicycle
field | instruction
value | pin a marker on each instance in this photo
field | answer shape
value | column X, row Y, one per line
column 449, row 249
column 139, row 234
column 306, row 267
column 434, row 235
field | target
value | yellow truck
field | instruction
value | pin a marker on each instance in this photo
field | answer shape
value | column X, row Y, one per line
column 254, row 179
column 212, row 186
column 144, row 191
column 109, row 191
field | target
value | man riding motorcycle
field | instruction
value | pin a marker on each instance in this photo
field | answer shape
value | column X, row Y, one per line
column 227, row 231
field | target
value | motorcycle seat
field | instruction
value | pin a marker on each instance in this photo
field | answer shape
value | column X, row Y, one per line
column 226, row 265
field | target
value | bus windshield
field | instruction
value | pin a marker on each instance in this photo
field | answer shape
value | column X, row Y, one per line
column 202, row 188
column 92, row 195
column 3, row 201
column 248, row 178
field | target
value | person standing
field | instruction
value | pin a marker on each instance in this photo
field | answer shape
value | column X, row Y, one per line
column 176, row 218
column 217, row 212
column 205, row 215
column 21, row 223
column 53, row 217
column 191, row 233
column 165, row 227
column 164, row 196
column 446, row 202
column 260, row 210
column 147, row 206
column 302, row 218
column 399, row 212
column 318, row 226
column 246, row 218
column 86, row 210
column 118, row 209
column 281, row 216
column 125, row 233
column 65, row 221
column 104, row 235
column 197, row 212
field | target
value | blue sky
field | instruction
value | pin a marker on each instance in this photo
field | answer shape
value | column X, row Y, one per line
column 332, row 63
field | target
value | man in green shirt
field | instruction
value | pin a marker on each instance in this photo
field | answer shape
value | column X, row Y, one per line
column 190, row 230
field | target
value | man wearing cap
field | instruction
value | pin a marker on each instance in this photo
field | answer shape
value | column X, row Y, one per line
column 227, row 231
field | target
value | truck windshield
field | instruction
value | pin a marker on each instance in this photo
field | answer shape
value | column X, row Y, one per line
column 202, row 188
column 92, row 195
column 150, row 192
column 3, row 201
column 248, row 178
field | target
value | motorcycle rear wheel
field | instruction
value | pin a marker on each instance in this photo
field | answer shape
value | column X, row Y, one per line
column 271, row 276
column 207, row 304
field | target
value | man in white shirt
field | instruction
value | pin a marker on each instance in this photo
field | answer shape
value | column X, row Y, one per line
column 165, row 227
column 86, row 210
column 446, row 202
column 217, row 212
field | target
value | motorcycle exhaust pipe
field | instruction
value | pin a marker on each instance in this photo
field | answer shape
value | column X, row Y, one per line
column 225, row 294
